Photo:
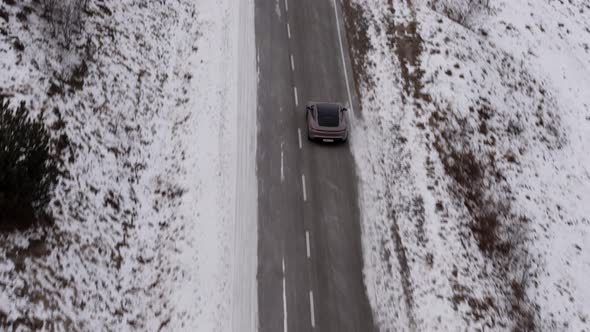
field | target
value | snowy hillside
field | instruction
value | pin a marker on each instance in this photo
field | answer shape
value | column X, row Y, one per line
column 474, row 162
column 143, row 104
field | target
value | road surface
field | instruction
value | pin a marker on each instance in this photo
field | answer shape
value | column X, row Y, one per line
column 309, row 250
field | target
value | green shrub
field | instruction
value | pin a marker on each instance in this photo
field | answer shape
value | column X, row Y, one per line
column 28, row 169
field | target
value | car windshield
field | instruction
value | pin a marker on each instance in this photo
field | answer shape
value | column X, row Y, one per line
column 328, row 115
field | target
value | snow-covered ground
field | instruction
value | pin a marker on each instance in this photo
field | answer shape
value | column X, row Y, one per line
column 473, row 156
column 147, row 220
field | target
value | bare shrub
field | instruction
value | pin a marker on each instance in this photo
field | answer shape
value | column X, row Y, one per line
column 65, row 17
column 49, row 6
column 66, row 24
column 460, row 11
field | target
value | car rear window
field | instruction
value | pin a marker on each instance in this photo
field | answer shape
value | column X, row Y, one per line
column 328, row 116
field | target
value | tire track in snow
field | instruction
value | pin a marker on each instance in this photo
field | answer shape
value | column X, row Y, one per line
column 405, row 43
column 392, row 252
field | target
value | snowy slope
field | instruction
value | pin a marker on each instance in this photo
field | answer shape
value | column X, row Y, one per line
column 144, row 229
column 473, row 157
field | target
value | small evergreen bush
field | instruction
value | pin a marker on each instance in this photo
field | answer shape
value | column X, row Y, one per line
column 28, row 169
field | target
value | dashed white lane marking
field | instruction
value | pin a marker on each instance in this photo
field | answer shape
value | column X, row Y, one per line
column 296, row 98
column 292, row 63
column 286, row 6
column 288, row 31
column 284, row 298
column 304, row 191
column 307, row 242
column 342, row 55
column 311, row 309
column 282, row 165
column 299, row 135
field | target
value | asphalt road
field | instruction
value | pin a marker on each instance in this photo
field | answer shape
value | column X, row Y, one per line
column 309, row 250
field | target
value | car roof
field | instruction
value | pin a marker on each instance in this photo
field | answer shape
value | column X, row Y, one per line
column 328, row 107
column 328, row 114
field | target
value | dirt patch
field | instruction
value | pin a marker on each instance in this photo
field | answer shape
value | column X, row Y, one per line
column 472, row 174
column 356, row 22
column 409, row 48
column 500, row 233
column 405, row 40
column 36, row 249
column 4, row 14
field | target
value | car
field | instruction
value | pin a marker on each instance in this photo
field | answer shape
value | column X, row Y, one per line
column 326, row 121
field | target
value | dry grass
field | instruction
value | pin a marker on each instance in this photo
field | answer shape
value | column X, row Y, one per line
column 357, row 24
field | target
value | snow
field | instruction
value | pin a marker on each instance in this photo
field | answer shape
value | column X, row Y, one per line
column 154, row 221
column 245, row 245
column 506, row 86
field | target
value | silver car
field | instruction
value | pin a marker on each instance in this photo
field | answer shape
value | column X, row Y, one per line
column 326, row 121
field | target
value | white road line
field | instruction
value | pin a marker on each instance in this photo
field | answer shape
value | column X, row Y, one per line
column 288, row 31
column 311, row 309
column 292, row 63
column 343, row 61
column 296, row 99
column 304, row 191
column 282, row 165
column 299, row 135
column 307, row 242
column 286, row 6
column 284, row 299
